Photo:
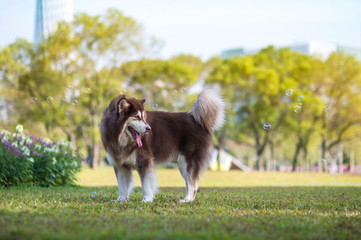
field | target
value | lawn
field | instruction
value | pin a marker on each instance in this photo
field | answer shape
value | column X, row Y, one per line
column 229, row 205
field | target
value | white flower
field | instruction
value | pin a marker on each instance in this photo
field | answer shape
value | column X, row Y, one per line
column 30, row 159
column 37, row 146
column 25, row 150
column 19, row 128
column 65, row 144
column 28, row 140
column 15, row 144
column 5, row 133
column 54, row 160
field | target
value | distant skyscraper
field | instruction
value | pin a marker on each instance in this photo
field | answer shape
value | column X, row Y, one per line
column 48, row 14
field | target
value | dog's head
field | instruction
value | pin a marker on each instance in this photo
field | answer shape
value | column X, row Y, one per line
column 126, row 119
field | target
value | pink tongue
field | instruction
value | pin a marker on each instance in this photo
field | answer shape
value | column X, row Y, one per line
column 139, row 141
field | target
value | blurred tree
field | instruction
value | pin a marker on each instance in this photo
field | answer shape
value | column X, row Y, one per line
column 306, row 123
column 164, row 83
column 341, row 91
column 73, row 74
column 255, row 88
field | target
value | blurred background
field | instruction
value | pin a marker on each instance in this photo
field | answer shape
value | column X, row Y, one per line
column 289, row 71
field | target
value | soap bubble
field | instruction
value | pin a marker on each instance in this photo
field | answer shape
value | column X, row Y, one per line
column 50, row 99
column 297, row 108
column 225, row 149
column 174, row 92
column 87, row 159
column 155, row 106
column 289, row 92
column 123, row 91
column 299, row 104
column 52, row 177
column 300, row 98
column 94, row 194
column 69, row 112
column 328, row 108
column 34, row 99
column 75, row 102
column 266, row 126
column 286, row 99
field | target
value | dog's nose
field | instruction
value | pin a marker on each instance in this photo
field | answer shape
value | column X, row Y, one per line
column 148, row 128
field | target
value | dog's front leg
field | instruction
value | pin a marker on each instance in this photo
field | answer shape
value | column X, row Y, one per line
column 148, row 178
column 125, row 182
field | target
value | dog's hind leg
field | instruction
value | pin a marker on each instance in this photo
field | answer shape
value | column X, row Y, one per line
column 125, row 182
column 191, row 181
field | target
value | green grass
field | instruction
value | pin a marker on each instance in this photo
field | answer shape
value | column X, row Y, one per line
column 253, row 206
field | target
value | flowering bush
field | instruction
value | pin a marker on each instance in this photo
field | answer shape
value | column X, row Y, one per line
column 28, row 160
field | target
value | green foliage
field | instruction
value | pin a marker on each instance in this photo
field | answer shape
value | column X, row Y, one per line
column 28, row 160
column 78, row 67
column 15, row 169
column 255, row 88
column 164, row 82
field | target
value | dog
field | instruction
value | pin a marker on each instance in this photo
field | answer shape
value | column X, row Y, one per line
column 138, row 139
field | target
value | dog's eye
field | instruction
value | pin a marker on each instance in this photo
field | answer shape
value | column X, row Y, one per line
column 137, row 117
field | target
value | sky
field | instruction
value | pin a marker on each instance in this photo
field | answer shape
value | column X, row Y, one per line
column 206, row 27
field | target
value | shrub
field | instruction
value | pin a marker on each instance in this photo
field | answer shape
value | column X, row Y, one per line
column 32, row 161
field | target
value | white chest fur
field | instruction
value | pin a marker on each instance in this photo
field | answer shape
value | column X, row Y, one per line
column 130, row 160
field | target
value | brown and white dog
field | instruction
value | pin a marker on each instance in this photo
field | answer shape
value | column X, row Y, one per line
column 137, row 139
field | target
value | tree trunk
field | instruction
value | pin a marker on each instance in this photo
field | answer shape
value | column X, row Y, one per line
column 273, row 160
column 89, row 158
column 295, row 156
column 305, row 159
column 352, row 158
column 269, row 161
column 340, row 158
column 260, row 149
column 260, row 161
column 323, row 159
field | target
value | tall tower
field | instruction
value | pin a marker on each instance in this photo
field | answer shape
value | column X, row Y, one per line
column 48, row 14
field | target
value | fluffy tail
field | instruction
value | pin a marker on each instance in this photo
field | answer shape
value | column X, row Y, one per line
column 208, row 110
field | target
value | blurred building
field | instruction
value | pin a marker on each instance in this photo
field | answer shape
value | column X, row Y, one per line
column 231, row 53
column 48, row 14
column 312, row 48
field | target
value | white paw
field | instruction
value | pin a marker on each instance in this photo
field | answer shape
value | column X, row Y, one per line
column 185, row 200
column 120, row 199
column 147, row 200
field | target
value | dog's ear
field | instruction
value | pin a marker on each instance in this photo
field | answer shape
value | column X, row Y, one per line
column 142, row 101
column 123, row 104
